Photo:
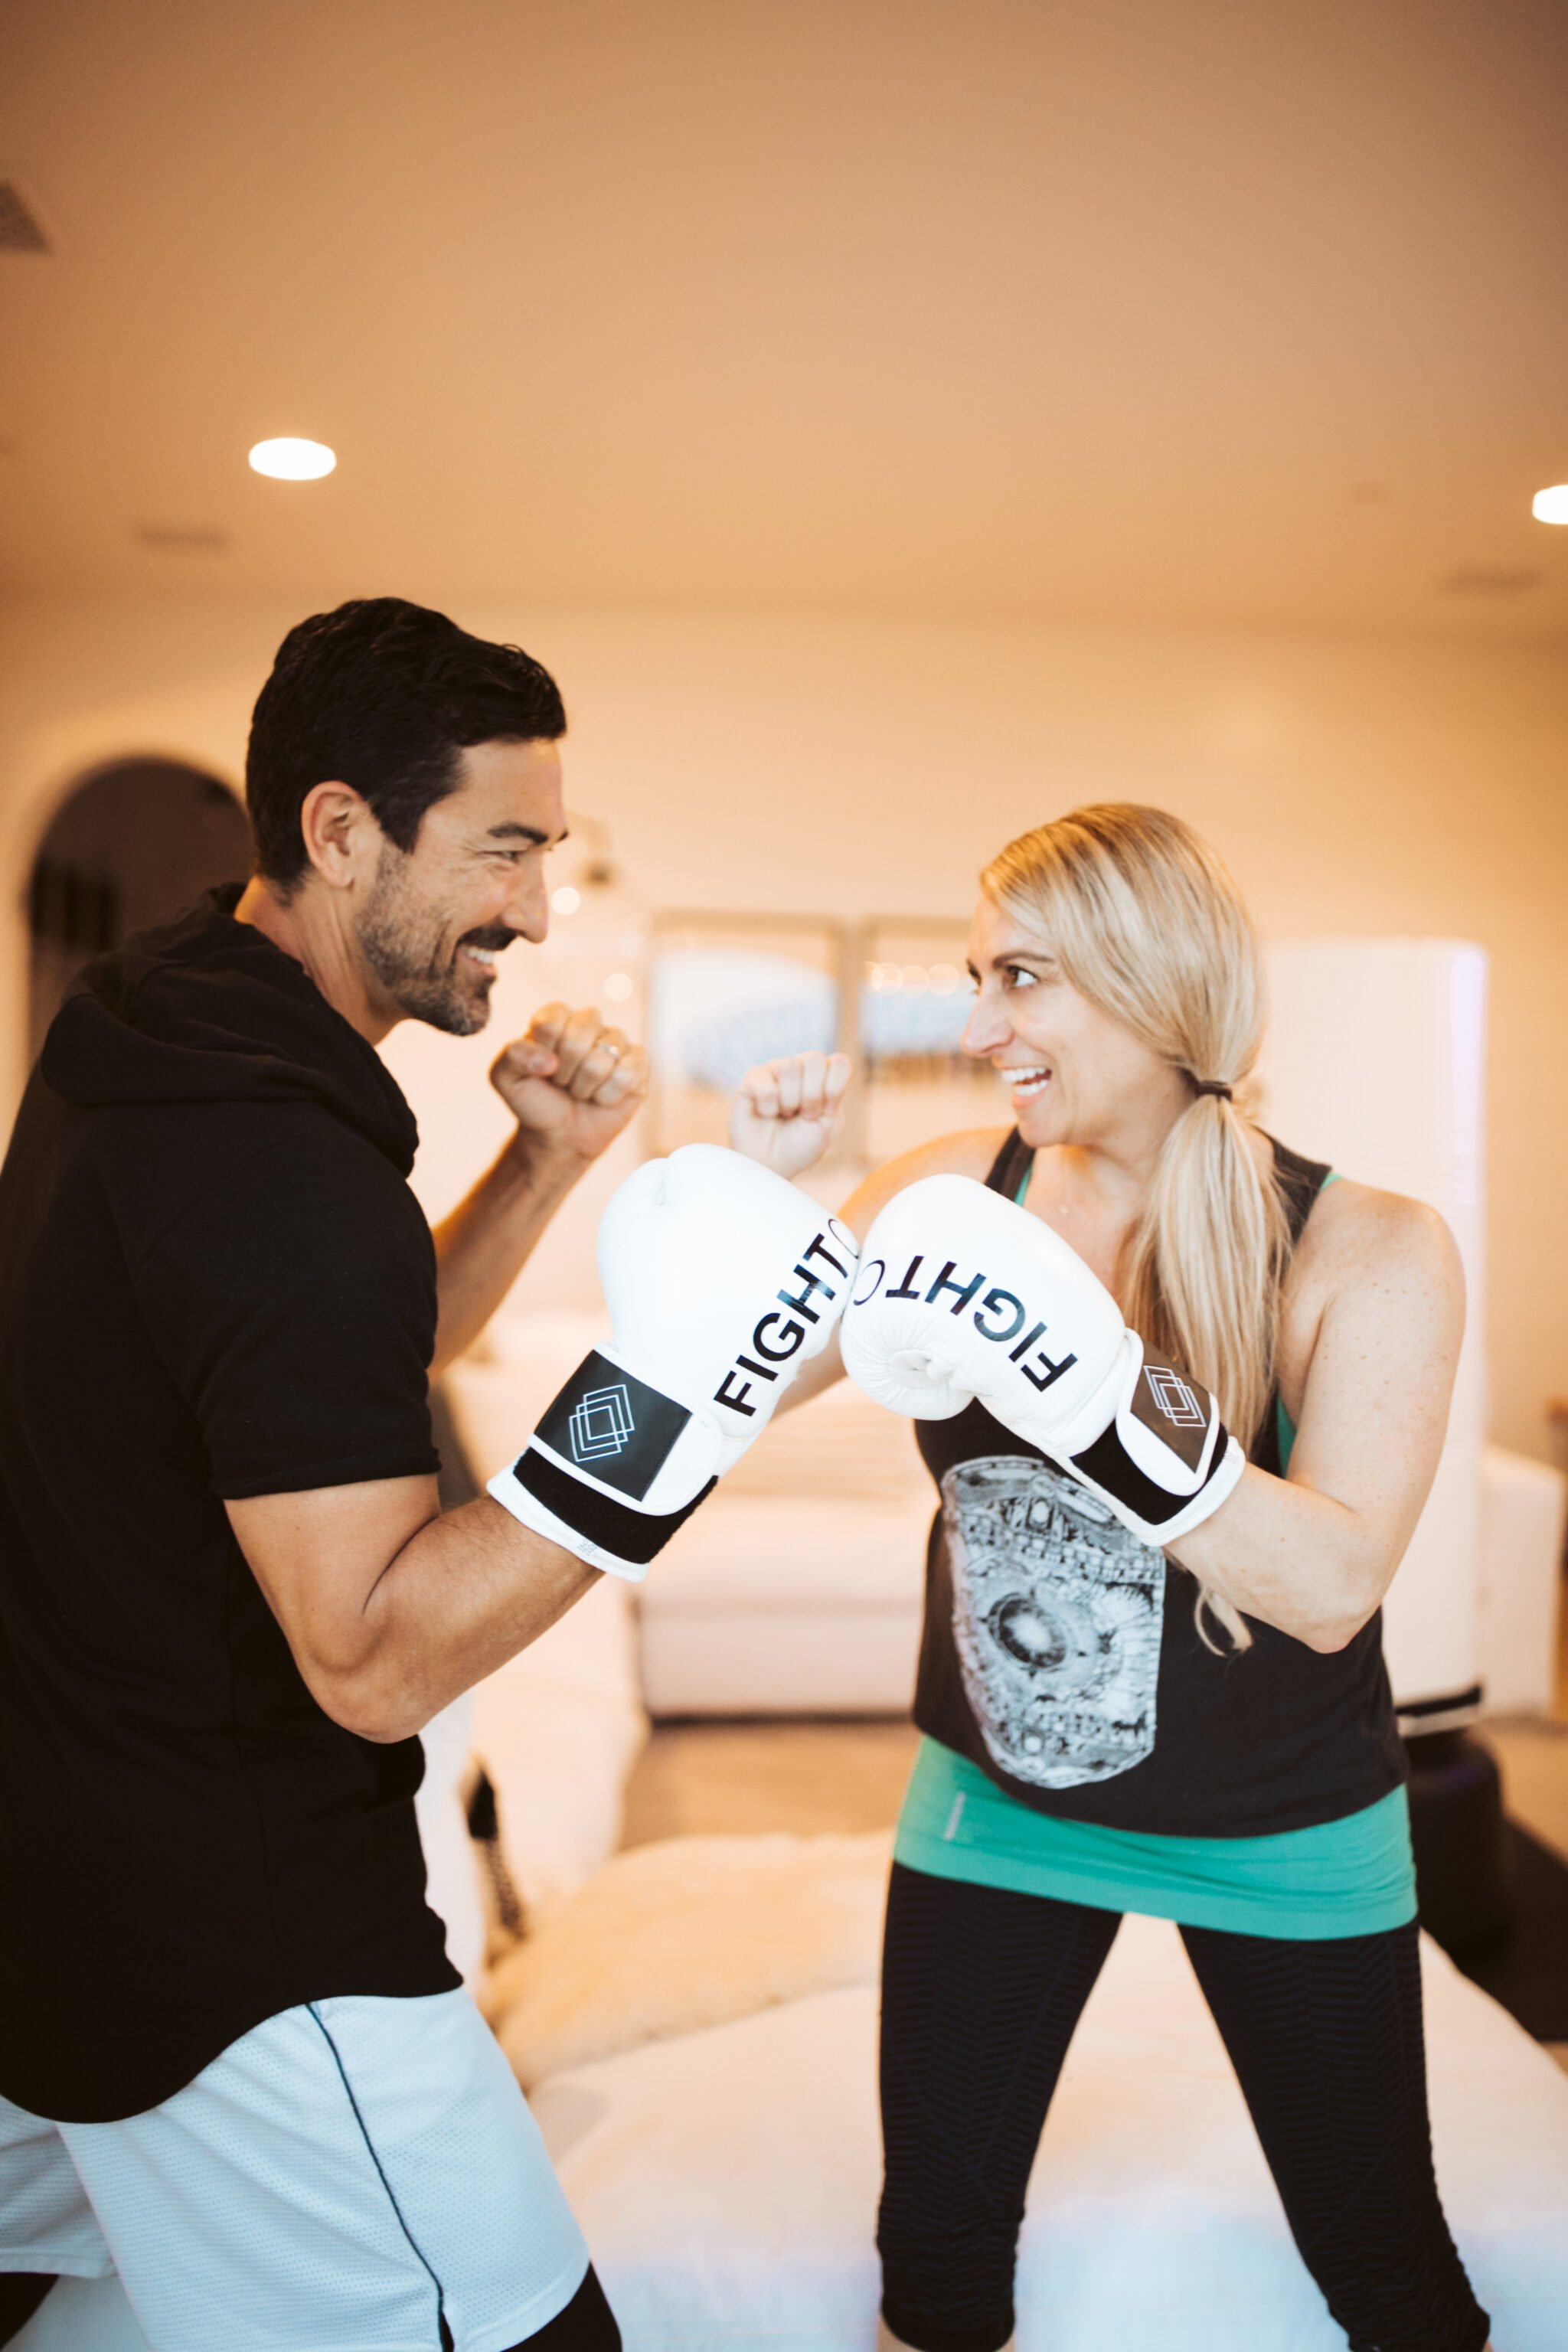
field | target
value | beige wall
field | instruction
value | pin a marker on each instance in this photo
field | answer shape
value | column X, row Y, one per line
column 1415, row 785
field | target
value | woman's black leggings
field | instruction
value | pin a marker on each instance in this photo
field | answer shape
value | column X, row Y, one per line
column 981, row 1991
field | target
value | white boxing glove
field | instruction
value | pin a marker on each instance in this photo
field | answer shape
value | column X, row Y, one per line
column 961, row 1294
column 722, row 1280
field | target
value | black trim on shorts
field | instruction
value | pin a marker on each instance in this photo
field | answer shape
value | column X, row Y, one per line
column 585, row 2325
column 415, row 2246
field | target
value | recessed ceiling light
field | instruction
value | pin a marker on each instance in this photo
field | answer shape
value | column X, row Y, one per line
column 1550, row 505
column 293, row 461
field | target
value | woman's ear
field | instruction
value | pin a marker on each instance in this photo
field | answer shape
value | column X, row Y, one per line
column 341, row 837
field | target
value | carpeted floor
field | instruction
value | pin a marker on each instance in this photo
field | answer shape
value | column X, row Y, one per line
column 733, row 1777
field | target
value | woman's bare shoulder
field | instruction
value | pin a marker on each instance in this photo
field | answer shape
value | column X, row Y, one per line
column 1376, row 1289
column 1376, row 1270
column 1358, row 1235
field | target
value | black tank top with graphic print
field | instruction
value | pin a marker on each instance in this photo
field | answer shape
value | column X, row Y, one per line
column 1062, row 1655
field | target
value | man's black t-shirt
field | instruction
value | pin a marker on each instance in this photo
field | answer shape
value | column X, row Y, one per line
column 214, row 1283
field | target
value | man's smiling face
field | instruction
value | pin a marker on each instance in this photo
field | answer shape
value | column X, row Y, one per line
column 437, row 917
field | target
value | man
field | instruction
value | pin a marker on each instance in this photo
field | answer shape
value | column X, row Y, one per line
column 233, row 2062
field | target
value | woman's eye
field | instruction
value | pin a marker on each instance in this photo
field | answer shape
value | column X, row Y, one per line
column 1016, row 977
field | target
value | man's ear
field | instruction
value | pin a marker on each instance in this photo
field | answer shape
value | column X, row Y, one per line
column 341, row 837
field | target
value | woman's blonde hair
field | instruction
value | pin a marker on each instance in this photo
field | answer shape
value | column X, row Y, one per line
column 1146, row 923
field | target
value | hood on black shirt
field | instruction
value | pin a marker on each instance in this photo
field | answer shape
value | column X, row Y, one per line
column 205, row 1009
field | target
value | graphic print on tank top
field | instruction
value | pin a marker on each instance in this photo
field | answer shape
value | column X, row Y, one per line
column 1057, row 1611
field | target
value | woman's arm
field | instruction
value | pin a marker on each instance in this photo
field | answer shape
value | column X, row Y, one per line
column 1373, row 1317
column 786, row 1113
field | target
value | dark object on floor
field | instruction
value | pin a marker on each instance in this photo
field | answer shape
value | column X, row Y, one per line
column 21, row 2292
column 1529, row 1972
column 1494, row 1896
column 484, row 1828
column 1457, row 1830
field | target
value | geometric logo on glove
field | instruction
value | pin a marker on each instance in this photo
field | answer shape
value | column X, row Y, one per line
column 602, row 1425
column 613, row 1426
column 1174, row 1399
column 1180, row 1414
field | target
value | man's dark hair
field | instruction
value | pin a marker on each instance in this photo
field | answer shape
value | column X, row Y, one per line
column 384, row 696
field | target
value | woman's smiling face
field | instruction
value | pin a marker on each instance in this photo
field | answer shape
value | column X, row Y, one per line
column 1075, row 1073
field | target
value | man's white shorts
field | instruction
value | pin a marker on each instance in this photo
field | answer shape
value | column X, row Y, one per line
column 345, row 2179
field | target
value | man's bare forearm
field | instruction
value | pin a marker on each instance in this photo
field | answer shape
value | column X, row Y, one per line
column 466, row 1594
column 483, row 1246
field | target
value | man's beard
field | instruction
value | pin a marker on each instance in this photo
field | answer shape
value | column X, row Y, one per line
column 404, row 944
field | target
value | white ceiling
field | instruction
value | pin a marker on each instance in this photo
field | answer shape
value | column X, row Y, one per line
column 1101, row 309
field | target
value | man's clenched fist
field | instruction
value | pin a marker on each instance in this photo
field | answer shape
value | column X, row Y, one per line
column 572, row 1081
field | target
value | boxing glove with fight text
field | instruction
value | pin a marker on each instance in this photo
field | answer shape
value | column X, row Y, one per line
column 722, row 1280
column 961, row 1294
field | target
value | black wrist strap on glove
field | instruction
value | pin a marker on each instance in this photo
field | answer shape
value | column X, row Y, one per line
column 1106, row 1464
column 1165, row 1461
column 634, row 1536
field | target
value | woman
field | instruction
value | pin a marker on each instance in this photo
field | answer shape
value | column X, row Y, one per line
column 1206, row 1734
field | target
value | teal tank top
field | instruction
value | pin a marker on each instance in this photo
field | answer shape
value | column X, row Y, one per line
column 1352, row 1876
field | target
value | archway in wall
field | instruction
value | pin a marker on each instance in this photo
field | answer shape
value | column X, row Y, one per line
column 134, row 842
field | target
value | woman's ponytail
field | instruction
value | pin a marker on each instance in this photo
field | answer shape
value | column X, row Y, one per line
column 1203, row 1272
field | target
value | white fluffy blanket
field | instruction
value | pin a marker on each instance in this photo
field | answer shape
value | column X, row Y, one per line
column 691, row 1932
